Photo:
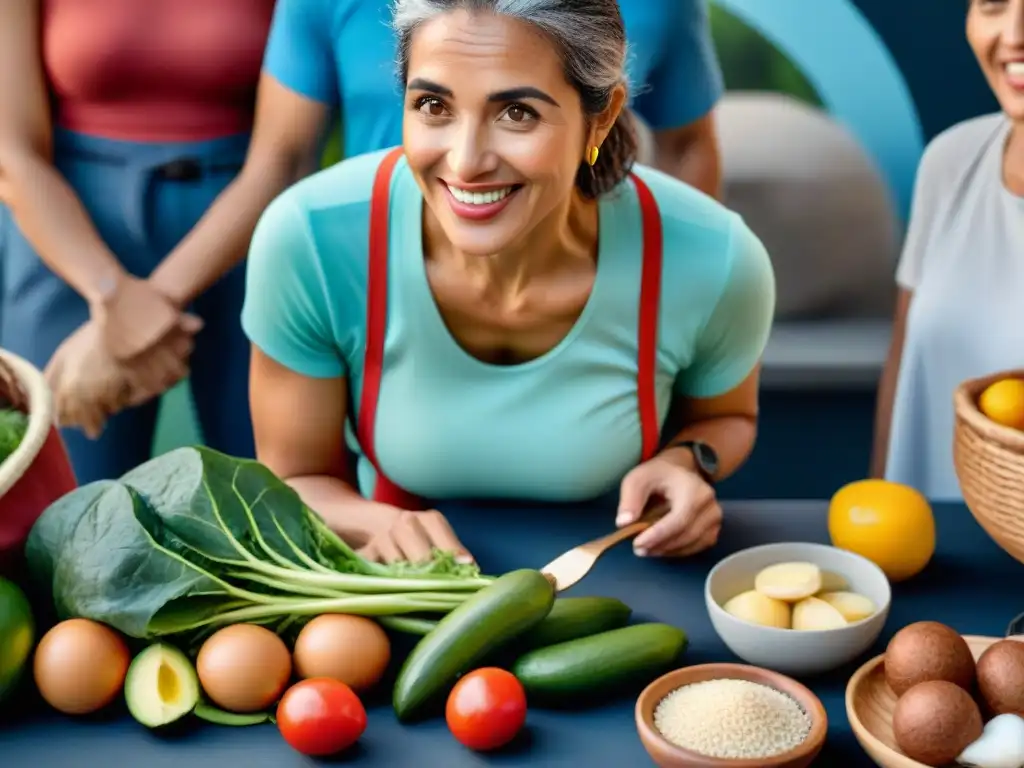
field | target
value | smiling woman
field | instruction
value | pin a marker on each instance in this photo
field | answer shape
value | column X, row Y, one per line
column 510, row 306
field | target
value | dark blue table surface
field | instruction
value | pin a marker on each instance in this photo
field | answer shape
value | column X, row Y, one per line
column 970, row 585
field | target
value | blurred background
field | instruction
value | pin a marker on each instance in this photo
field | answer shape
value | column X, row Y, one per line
column 829, row 105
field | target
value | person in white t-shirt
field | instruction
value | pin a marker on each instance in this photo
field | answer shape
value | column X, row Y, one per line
column 961, row 275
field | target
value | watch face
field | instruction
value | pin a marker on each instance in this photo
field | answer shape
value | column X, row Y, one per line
column 706, row 457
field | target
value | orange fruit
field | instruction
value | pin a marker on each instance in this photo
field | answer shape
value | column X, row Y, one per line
column 890, row 524
column 1003, row 402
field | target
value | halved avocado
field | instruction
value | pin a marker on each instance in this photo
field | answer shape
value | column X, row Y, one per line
column 161, row 686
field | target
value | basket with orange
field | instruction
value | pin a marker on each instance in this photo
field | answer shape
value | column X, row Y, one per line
column 988, row 454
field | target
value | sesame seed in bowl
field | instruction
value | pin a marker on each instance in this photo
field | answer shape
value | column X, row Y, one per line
column 721, row 715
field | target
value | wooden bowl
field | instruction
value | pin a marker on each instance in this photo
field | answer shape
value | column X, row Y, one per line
column 668, row 755
column 989, row 463
column 870, row 703
column 38, row 472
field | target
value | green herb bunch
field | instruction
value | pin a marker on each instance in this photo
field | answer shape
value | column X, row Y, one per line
column 13, row 425
column 194, row 540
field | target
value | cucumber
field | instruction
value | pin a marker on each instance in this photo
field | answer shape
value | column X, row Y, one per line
column 575, row 617
column 492, row 617
column 598, row 664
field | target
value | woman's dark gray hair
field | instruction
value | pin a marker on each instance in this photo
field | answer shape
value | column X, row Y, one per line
column 592, row 42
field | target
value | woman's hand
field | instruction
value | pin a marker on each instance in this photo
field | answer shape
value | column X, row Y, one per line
column 89, row 385
column 694, row 518
column 413, row 536
column 164, row 365
column 134, row 318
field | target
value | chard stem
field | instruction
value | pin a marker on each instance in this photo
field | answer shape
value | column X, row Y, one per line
column 367, row 585
column 306, row 590
column 372, row 606
column 408, row 624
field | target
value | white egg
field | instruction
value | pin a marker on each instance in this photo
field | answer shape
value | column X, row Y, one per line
column 1001, row 745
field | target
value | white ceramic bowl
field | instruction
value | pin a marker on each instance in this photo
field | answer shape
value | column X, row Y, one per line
column 796, row 652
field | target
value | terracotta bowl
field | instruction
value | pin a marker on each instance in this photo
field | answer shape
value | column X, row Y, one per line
column 668, row 755
column 38, row 472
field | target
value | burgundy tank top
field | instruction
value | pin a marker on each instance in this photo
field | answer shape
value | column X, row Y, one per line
column 155, row 70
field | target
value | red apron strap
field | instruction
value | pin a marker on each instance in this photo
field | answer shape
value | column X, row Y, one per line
column 647, row 332
column 376, row 329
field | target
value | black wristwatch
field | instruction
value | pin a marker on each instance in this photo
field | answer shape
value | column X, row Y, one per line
column 705, row 457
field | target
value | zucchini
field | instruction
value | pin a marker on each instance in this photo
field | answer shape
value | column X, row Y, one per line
column 570, row 618
column 575, row 617
column 598, row 664
column 487, row 621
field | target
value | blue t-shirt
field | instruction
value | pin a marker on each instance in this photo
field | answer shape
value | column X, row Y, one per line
column 342, row 53
column 562, row 427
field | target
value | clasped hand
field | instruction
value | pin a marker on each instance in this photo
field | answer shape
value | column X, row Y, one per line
column 694, row 517
column 135, row 347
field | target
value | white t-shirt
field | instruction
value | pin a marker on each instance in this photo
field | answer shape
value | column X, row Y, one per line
column 963, row 259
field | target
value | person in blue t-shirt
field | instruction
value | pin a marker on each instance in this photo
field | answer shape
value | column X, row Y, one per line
column 327, row 58
column 504, row 306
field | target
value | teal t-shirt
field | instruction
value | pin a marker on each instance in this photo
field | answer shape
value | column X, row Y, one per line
column 342, row 53
column 562, row 427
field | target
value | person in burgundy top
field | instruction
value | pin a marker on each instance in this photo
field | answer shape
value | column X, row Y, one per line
column 120, row 122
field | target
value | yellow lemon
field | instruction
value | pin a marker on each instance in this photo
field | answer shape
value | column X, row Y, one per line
column 890, row 524
column 1003, row 402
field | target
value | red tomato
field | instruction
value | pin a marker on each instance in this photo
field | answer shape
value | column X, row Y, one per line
column 320, row 717
column 486, row 709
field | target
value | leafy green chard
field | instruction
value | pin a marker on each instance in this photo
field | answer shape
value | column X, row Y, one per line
column 194, row 539
column 13, row 426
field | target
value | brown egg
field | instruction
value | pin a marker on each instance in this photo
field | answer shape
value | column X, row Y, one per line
column 352, row 649
column 935, row 721
column 79, row 666
column 1001, row 677
column 928, row 650
column 244, row 668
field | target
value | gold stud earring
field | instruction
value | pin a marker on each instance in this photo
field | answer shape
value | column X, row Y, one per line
column 592, row 155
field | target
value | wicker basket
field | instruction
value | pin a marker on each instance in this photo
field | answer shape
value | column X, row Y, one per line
column 38, row 472
column 989, row 462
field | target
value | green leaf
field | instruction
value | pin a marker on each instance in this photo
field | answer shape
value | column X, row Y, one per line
column 54, row 528
column 229, row 510
column 109, row 569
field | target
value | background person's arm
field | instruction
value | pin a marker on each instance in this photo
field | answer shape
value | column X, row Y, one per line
column 692, row 154
column 927, row 186
column 887, row 386
column 133, row 317
column 679, row 97
column 44, row 206
column 296, row 96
